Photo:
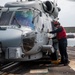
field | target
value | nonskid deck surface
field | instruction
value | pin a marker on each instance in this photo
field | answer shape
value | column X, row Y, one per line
column 23, row 68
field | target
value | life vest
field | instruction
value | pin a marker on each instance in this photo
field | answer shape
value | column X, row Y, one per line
column 61, row 34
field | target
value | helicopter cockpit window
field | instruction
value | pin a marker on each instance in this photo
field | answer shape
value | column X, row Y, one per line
column 5, row 18
column 24, row 18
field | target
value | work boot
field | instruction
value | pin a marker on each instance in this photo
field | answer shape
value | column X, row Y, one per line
column 65, row 64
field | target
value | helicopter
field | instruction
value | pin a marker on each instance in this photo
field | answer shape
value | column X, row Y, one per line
column 23, row 30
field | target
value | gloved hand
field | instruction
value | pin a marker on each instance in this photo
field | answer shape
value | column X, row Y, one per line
column 50, row 32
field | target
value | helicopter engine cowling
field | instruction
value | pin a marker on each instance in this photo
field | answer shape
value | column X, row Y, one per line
column 51, row 8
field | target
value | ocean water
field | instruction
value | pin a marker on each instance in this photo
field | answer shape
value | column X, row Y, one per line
column 71, row 41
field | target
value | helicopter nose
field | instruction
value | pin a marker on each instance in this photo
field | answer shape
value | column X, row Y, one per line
column 28, row 40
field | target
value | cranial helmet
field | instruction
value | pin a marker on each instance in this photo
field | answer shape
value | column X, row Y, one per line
column 56, row 23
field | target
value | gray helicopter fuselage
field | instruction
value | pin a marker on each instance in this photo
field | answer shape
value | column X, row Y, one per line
column 23, row 30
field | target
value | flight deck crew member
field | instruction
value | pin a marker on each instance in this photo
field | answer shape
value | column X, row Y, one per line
column 62, row 42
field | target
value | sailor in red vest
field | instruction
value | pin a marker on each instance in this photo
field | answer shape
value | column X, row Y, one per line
column 62, row 42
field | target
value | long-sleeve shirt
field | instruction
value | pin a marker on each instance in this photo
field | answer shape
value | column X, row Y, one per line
column 61, row 33
column 59, row 29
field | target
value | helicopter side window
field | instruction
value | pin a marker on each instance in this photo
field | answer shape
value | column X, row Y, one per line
column 5, row 18
column 24, row 18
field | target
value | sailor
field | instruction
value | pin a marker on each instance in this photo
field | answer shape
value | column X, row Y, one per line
column 62, row 42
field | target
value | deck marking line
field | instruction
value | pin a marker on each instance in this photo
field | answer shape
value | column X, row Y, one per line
column 72, row 64
column 39, row 71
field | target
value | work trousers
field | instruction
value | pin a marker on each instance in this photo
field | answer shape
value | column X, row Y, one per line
column 62, row 43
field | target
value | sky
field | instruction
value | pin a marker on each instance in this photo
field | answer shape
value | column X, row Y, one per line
column 66, row 15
